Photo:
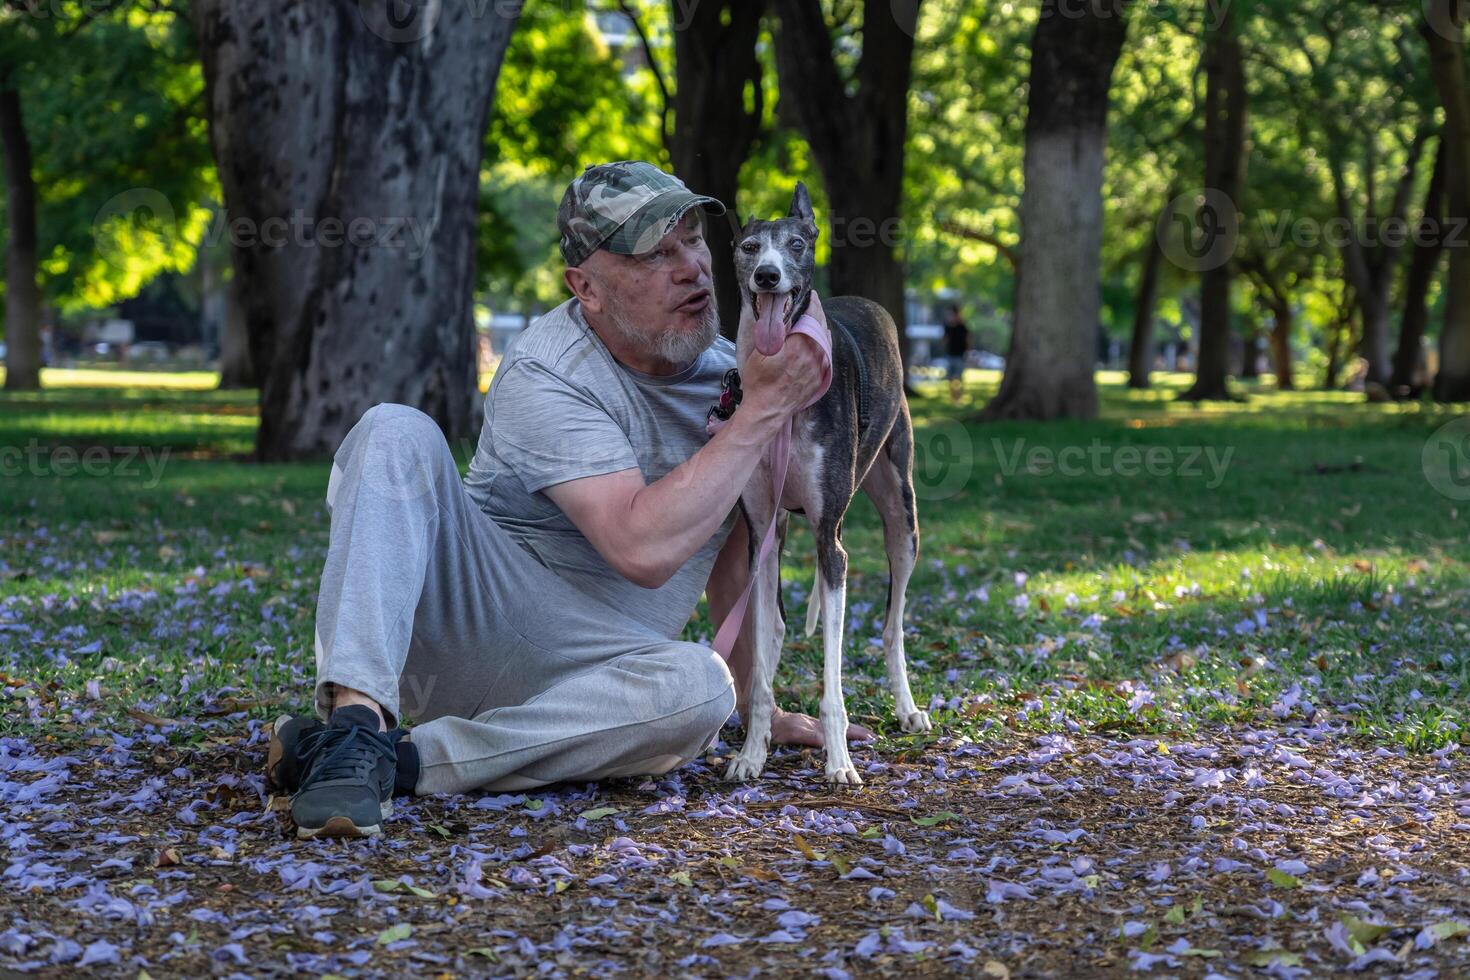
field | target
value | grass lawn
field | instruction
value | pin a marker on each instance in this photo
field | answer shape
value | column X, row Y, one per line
column 1168, row 638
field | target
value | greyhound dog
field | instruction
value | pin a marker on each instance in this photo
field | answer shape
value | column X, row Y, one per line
column 857, row 435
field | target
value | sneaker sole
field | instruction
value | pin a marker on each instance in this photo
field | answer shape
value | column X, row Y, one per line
column 344, row 827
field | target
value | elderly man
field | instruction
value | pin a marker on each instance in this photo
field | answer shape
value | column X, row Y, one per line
column 527, row 617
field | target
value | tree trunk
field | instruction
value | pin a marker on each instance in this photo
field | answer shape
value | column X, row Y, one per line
column 1444, row 30
column 236, row 370
column 857, row 133
column 1372, row 266
column 714, row 50
column 1423, row 265
column 22, row 293
column 1280, row 339
column 348, row 146
column 1141, row 348
column 222, row 312
column 1050, row 369
column 1250, row 353
column 1224, row 145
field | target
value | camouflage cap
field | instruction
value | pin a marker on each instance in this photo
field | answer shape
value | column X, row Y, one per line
column 624, row 207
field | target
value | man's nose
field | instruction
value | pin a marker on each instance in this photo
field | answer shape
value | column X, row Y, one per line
column 691, row 266
column 767, row 277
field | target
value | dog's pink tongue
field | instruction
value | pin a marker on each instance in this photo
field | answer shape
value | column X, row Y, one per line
column 770, row 328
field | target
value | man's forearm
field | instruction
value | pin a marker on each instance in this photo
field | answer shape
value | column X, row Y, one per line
column 675, row 516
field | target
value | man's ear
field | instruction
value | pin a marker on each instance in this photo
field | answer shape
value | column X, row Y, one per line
column 584, row 287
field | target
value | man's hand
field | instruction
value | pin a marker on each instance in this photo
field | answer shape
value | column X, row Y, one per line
column 778, row 386
column 793, row 728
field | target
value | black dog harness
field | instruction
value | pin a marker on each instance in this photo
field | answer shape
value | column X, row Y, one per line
column 731, row 393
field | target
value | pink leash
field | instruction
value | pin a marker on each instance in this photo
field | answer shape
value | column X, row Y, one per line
column 780, row 449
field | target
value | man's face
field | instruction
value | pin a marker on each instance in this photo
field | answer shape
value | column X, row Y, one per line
column 661, row 302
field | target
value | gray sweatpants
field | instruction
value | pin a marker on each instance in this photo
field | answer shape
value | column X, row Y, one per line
column 514, row 677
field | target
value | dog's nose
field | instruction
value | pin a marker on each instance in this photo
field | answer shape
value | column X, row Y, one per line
column 767, row 277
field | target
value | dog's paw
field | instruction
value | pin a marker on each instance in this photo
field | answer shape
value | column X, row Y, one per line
column 743, row 770
column 915, row 721
column 843, row 776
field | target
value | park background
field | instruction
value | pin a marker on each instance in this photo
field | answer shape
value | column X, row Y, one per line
column 1190, row 612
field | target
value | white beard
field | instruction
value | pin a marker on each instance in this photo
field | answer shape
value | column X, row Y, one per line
column 677, row 348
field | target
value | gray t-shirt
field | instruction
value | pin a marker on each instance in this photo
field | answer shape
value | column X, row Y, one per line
column 562, row 408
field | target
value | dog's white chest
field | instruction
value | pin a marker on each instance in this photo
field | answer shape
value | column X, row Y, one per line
column 802, row 491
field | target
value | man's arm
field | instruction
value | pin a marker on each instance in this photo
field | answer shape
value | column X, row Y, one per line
column 647, row 531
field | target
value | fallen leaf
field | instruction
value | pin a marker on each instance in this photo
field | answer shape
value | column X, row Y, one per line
column 1448, row 930
column 167, row 858
column 934, row 819
column 806, row 849
column 600, row 812
column 394, row 933
column 1281, row 879
column 147, row 718
column 1365, row 932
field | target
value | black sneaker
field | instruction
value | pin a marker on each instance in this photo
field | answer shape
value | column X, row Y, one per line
column 347, row 770
column 282, row 757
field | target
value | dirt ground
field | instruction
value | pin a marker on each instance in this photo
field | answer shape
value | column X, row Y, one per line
column 1281, row 852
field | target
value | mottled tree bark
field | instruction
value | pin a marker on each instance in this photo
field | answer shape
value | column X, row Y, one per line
column 1372, row 265
column 1141, row 347
column 22, row 293
column 236, row 369
column 1284, row 320
column 348, row 144
column 716, row 74
column 1443, row 29
column 857, row 132
column 1423, row 266
column 1050, row 369
column 1225, row 129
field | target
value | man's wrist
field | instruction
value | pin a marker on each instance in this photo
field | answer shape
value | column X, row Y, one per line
column 755, row 425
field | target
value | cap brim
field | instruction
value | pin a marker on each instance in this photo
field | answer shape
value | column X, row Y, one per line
column 650, row 223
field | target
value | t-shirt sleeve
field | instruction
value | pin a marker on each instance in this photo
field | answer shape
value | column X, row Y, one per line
column 549, row 431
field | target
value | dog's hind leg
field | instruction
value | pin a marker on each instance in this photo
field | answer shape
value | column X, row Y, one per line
column 767, row 630
column 889, row 485
column 832, row 567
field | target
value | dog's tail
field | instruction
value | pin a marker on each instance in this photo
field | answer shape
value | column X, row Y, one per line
column 814, row 604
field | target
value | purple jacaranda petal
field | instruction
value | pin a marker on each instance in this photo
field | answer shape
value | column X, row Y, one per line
column 722, row 939
column 234, row 952
column 1000, row 891
column 99, row 952
column 796, row 919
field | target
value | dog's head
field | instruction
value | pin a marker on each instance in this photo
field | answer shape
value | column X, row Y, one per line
column 774, row 261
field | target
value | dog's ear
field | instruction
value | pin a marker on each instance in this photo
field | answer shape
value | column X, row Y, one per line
column 801, row 205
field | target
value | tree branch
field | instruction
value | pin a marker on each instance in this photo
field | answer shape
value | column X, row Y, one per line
column 1007, row 252
column 658, row 76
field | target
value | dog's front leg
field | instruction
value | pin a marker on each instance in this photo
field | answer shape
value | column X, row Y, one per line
column 766, row 631
column 832, row 560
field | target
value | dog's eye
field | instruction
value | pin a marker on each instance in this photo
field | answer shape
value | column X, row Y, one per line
column 749, row 248
column 797, row 244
